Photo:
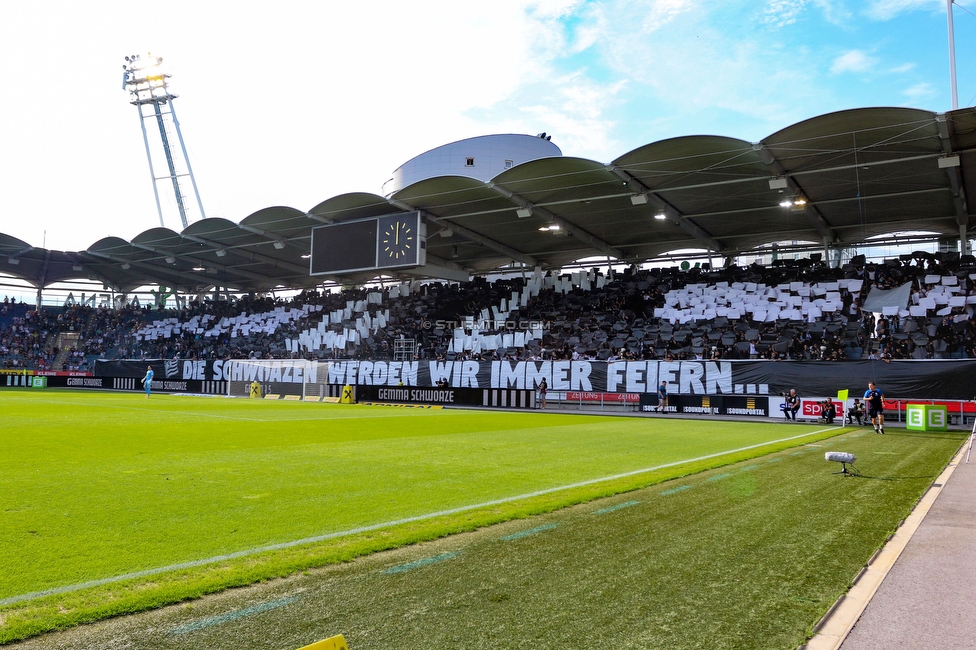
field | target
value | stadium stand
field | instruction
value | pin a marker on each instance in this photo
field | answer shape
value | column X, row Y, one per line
column 790, row 310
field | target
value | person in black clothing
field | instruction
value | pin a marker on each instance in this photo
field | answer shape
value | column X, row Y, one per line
column 875, row 401
column 828, row 411
column 791, row 404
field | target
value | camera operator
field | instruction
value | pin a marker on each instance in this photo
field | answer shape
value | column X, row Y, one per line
column 828, row 411
column 791, row 404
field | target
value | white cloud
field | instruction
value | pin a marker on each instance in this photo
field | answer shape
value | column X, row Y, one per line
column 919, row 91
column 888, row 9
column 780, row 13
column 905, row 67
column 834, row 11
column 853, row 61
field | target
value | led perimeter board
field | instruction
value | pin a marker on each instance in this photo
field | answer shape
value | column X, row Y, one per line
column 377, row 243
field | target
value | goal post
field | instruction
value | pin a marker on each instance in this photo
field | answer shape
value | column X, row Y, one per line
column 295, row 379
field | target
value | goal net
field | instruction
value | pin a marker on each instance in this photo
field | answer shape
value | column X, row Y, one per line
column 280, row 378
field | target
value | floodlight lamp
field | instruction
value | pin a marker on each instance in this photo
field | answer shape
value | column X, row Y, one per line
column 126, row 266
column 199, row 268
column 171, row 260
column 660, row 216
column 638, row 199
column 778, row 183
column 799, row 201
column 279, row 244
column 524, row 213
column 447, row 232
column 77, row 267
column 786, row 203
column 13, row 260
column 220, row 252
column 306, row 256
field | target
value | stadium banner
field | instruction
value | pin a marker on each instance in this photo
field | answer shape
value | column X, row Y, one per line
column 602, row 398
column 915, row 379
column 194, row 387
column 512, row 398
column 45, row 373
column 709, row 404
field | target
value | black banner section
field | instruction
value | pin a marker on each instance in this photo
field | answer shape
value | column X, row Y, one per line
column 447, row 396
column 925, row 379
column 195, row 387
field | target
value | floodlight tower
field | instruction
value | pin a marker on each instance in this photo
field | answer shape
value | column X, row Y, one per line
column 147, row 85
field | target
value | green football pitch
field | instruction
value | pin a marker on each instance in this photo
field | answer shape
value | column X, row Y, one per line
column 114, row 503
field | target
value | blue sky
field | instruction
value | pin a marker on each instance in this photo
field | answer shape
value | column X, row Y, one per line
column 290, row 104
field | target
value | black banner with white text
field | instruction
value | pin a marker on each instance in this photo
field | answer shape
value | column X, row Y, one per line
column 928, row 379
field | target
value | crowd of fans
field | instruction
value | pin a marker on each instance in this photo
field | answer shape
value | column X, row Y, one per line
column 617, row 317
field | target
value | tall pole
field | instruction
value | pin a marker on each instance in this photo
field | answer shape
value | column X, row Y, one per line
column 147, row 85
column 952, row 57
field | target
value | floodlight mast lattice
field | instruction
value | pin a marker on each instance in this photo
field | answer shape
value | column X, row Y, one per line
column 148, row 86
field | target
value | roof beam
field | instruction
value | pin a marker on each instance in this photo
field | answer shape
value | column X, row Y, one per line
column 810, row 211
column 571, row 229
column 250, row 255
column 958, row 192
column 271, row 237
column 671, row 213
column 263, row 279
column 471, row 235
column 176, row 278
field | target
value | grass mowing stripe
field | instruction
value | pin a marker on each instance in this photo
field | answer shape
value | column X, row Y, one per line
column 747, row 468
column 419, row 563
column 526, row 533
column 603, row 511
column 364, row 529
column 232, row 616
column 718, row 477
column 680, row 488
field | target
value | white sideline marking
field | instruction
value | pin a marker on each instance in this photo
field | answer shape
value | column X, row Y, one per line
column 364, row 529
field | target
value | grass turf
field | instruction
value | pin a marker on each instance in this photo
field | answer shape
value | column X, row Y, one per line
column 97, row 486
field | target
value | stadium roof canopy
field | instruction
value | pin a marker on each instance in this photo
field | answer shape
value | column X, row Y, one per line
column 861, row 172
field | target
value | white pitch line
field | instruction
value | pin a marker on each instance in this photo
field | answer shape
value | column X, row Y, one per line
column 365, row 529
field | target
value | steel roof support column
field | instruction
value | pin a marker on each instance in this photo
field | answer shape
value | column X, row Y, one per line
column 812, row 213
column 470, row 235
column 952, row 171
column 673, row 214
column 587, row 238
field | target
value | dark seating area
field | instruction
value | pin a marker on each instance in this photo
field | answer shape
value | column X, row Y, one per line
column 789, row 310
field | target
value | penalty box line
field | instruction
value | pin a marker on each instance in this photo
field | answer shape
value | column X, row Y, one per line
column 365, row 529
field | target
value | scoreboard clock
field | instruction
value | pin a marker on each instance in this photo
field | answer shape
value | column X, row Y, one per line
column 387, row 242
column 399, row 240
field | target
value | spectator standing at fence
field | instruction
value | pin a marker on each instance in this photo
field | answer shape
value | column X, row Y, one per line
column 543, row 387
column 662, row 397
column 874, row 398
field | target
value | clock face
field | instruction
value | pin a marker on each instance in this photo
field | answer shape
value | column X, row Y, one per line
column 398, row 241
